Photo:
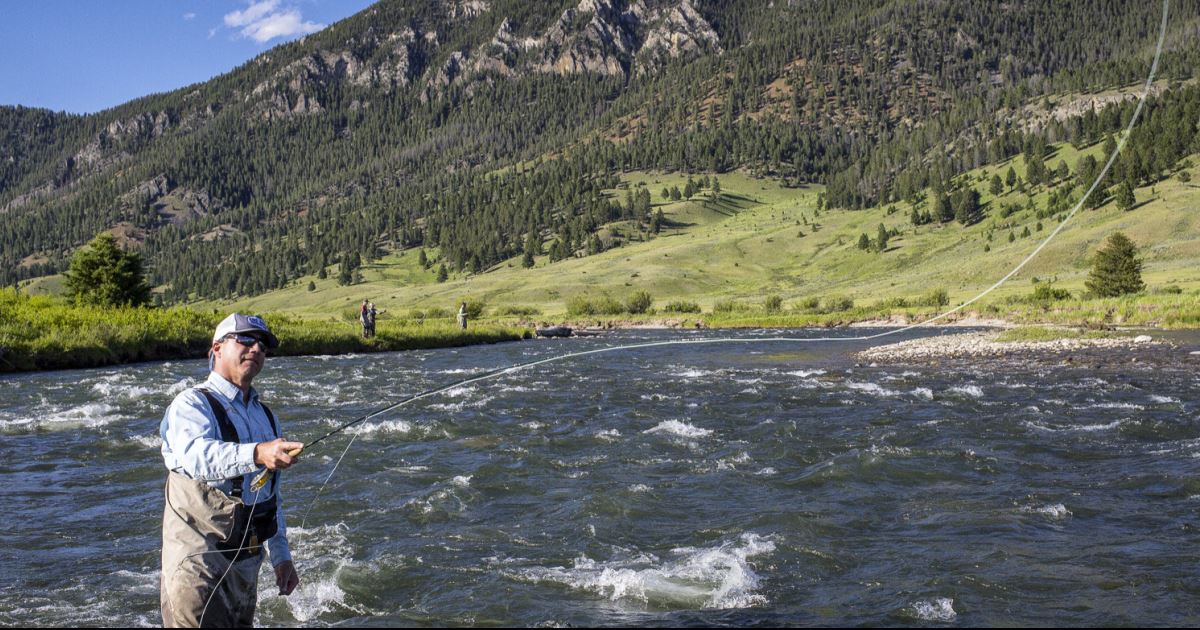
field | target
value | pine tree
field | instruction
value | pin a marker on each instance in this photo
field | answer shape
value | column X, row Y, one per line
column 881, row 238
column 442, row 273
column 996, row 187
column 102, row 274
column 1125, row 198
column 1116, row 270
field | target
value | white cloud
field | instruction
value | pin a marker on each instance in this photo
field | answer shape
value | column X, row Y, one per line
column 255, row 11
column 189, row 16
column 265, row 20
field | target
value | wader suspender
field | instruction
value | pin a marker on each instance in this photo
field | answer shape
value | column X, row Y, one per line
column 262, row 520
column 229, row 433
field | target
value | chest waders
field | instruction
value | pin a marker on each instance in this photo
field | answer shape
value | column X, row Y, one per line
column 212, row 543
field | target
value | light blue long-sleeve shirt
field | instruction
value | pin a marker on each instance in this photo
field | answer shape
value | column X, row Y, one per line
column 192, row 446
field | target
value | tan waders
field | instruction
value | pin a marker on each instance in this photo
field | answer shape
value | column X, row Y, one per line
column 198, row 520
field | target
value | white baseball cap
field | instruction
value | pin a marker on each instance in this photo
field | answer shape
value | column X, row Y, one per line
column 237, row 323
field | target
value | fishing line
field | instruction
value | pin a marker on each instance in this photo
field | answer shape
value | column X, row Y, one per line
column 521, row 366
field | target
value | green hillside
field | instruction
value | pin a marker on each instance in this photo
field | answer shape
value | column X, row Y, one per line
column 470, row 129
column 747, row 244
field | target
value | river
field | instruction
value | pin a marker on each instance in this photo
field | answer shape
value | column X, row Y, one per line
column 773, row 483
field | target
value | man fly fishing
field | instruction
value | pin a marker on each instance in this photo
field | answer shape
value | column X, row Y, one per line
column 217, row 521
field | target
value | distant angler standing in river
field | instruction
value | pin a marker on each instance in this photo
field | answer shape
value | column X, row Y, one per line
column 215, row 524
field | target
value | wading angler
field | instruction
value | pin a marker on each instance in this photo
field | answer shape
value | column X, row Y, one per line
column 217, row 522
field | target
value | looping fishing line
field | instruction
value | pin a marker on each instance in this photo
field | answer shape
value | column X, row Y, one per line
column 515, row 368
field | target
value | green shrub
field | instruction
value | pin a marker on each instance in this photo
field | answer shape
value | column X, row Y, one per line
column 682, row 307
column 639, row 302
column 1170, row 289
column 891, row 303
column 1045, row 292
column 582, row 305
column 578, row 305
column 730, row 306
column 837, row 304
column 773, row 304
column 809, row 304
column 935, row 298
column 475, row 309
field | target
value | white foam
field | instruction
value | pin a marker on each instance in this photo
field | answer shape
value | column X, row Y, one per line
column 533, row 425
column 973, row 391
column 714, row 577
column 639, row 487
column 691, row 374
column 1055, row 512
column 1163, row 399
column 940, row 609
column 1082, row 427
column 923, row 392
column 328, row 553
column 1116, row 405
column 609, row 435
column 872, row 388
column 90, row 416
column 387, row 426
column 149, row 441
column 766, row 472
column 679, row 428
column 462, row 481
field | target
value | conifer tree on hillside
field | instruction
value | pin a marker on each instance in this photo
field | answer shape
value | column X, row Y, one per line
column 102, row 274
column 1125, row 198
column 1116, row 269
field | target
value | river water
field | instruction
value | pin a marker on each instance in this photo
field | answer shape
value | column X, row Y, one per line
column 773, row 483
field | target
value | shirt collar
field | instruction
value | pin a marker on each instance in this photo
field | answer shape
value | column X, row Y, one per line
column 227, row 389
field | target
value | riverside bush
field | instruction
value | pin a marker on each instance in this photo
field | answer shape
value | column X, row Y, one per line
column 1045, row 292
column 837, row 304
column 730, row 306
column 809, row 305
column 582, row 305
column 681, row 307
column 41, row 332
column 935, row 298
column 639, row 302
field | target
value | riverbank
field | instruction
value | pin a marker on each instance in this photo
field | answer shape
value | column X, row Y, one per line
column 43, row 333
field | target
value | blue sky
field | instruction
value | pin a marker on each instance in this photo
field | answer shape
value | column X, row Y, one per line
column 84, row 56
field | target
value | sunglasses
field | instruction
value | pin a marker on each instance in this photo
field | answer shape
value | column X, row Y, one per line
column 248, row 340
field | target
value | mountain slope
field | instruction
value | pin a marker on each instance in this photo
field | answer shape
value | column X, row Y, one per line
column 467, row 126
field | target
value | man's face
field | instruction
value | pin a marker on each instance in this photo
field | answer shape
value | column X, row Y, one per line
column 238, row 362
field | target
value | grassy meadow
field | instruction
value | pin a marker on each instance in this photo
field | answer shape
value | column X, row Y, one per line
column 42, row 332
column 756, row 255
column 758, row 239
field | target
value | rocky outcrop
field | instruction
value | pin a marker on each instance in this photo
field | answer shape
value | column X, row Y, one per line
column 170, row 203
column 605, row 37
column 294, row 89
column 682, row 33
column 594, row 37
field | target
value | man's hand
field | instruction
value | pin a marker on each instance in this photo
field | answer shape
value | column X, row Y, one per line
column 274, row 454
column 286, row 577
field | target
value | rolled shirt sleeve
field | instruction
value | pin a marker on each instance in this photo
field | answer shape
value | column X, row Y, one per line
column 192, row 442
